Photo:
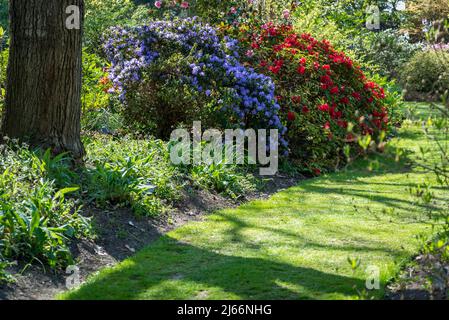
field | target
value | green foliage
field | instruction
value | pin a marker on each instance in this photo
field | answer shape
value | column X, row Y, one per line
column 213, row 11
column 313, row 21
column 139, row 173
column 435, row 160
column 393, row 99
column 101, row 15
column 55, row 168
column 131, row 172
column 4, row 12
column 37, row 221
column 426, row 75
column 95, row 84
column 159, row 104
column 226, row 179
column 98, row 112
column 351, row 15
column 4, row 275
column 423, row 15
column 384, row 52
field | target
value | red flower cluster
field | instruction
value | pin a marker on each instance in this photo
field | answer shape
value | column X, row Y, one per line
column 318, row 88
column 276, row 67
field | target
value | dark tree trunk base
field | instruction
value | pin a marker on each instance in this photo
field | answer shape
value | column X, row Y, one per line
column 43, row 97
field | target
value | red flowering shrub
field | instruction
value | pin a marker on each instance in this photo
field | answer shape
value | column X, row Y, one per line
column 326, row 100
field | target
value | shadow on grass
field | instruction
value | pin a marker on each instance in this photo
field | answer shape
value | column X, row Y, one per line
column 170, row 269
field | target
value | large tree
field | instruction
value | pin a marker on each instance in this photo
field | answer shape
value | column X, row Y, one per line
column 43, row 92
column 424, row 15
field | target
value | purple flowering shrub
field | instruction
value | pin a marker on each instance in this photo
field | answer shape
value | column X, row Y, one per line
column 171, row 73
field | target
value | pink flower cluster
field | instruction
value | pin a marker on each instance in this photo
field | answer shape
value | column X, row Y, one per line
column 184, row 4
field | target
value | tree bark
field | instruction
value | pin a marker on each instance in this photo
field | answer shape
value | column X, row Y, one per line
column 43, row 92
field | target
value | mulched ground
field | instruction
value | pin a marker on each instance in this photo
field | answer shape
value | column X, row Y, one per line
column 427, row 278
column 119, row 235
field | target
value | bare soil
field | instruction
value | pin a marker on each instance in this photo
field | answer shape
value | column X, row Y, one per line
column 427, row 278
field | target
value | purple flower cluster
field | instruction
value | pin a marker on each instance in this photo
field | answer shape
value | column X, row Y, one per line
column 212, row 68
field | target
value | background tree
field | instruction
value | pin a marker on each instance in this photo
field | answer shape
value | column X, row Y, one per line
column 43, row 99
column 424, row 15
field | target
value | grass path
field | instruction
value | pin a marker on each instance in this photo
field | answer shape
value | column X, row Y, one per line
column 295, row 245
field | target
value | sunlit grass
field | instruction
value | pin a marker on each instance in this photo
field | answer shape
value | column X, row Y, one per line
column 295, row 245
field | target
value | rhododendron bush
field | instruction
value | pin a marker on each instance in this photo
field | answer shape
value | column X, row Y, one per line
column 170, row 73
column 325, row 98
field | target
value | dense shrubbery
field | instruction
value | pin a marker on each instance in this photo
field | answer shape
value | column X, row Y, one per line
column 386, row 51
column 170, row 73
column 103, row 14
column 378, row 51
column 324, row 95
column 214, row 11
column 426, row 75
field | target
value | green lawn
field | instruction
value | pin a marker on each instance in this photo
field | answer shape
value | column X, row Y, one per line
column 295, row 245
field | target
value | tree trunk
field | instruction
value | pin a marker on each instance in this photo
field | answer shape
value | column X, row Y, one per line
column 43, row 93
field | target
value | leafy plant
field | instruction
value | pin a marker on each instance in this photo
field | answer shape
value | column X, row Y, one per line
column 131, row 172
column 55, row 168
column 37, row 221
column 225, row 179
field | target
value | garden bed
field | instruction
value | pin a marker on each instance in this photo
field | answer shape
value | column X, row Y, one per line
column 120, row 235
column 426, row 278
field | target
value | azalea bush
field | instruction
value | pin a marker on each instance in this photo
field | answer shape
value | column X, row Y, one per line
column 325, row 97
column 170, row 73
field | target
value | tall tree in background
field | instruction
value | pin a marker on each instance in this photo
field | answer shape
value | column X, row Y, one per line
column 43, row 92
column 424, row 15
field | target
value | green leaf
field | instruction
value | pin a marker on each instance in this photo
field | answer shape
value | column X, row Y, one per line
column 61, row 193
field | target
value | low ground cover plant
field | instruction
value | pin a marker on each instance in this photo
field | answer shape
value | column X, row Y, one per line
column 131, row 172
column 139, row 173
column 41, row 195
column 37, row 220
